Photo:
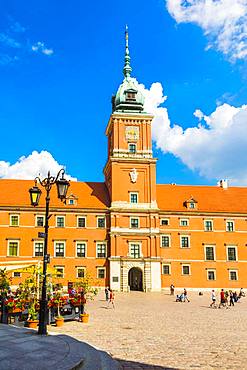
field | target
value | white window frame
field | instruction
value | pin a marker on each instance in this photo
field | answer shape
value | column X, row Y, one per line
column 182, row 220
column 129, row 144
column 186, row 265
column 165, row 219
column 205, row 225
column 211, row 270
column 167, row 235
column 101, row 227
column 101, row 268
column 233, row 226
column 229, row 274
column 80, row 242
column 77, row 222
column 61, row 242
column 18, row 247
column 60, row 267
column 140, row 249
column 137, row 197
column 135, row 218
column 227, row 253
column 169, row 267
column 80, row 268
column 36, row 220
column 71, row 202
column 64, row 225
column 205, row 255
column 99, row 243
column 10, row 219
column 16, row 277
column 40, row 242
column 185, row 236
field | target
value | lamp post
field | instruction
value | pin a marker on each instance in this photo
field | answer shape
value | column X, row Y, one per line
column 35, row 193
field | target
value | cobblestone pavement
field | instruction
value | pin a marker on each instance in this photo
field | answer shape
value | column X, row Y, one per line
column 152, row 331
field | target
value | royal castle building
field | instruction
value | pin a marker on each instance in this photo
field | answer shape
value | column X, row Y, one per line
column 129, row 232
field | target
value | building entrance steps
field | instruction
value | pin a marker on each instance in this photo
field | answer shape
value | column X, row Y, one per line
column 23, row 349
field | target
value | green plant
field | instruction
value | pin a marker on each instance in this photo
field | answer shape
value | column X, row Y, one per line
column 85, row 287
column 32, row 313
column 4, row 282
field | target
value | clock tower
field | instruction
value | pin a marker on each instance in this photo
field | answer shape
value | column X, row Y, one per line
column 130, row 176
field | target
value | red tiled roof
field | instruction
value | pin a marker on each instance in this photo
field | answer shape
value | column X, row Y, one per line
column 88, row 194
column 209, row 198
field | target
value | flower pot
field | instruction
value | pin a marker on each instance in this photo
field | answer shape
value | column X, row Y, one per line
column 59, row 321
column 84, row 317
column 14, row 310
column 32, row 324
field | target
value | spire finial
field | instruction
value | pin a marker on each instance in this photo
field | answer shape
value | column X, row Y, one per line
column 127, row 68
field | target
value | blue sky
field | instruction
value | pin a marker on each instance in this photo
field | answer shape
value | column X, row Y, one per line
column 60, row 63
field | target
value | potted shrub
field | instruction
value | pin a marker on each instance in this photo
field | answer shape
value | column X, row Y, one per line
column 32, row 320
column 85, row 291
column 58, row 301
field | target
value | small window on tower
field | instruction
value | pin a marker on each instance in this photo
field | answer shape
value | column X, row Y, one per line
column 131, row 96
column 132, row 148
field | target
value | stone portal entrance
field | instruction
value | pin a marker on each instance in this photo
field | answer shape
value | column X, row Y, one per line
column 135, row 279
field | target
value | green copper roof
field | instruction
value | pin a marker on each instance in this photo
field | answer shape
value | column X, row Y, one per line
column 129, row 97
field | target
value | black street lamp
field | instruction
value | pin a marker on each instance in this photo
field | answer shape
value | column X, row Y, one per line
column 35, row 193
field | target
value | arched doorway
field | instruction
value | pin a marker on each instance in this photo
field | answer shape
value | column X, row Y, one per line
column 135, row 279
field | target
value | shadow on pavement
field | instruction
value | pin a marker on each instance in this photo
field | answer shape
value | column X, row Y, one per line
column 128, row 365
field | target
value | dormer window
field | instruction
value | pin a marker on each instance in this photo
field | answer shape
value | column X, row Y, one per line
column 191, row 203
column 130, row 96
column 132, row 148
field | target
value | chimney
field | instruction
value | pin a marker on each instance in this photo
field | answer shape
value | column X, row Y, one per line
column 223, row 183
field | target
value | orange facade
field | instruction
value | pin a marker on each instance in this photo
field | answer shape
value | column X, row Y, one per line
column 129, row 232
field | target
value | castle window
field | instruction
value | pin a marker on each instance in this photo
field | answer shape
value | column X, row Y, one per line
column 80, row 249
column 132, row 148
column 40, row 221
column 211, row 274
column 101, row 222
column 134, row 223
column 101, row 250
column 13, row 248
column 16, row 274
column 230, row 226
column 81, row 221
column 166, row 269
column 80, row 272
column 192, row 205
column 133, row 197
column 231, row 253
column 59, row 271
column 14, row 220
column 38, row 249
column 135, row 250
column 184, row 222
column 185, row 269
column 165, row 241
column 60, row 221
column 130, row 96
column 209, row 253
column 233, row 275
column 59, row 249
column 100, row 272
column 208, row 225
column 184, row 242
column 164, row 222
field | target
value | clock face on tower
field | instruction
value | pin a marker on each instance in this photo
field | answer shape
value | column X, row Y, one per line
column 132, row 133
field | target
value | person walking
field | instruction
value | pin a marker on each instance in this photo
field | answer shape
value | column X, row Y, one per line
column 213, row 298
column 186, row 296
column 107, row 294
column 172, row 288
column 222, row 299
column 111, row 299
column 231, row 298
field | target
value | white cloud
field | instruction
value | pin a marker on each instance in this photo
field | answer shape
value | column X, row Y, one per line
column 216, row 147
column 39, row 47
column 223, row 21
column 36, row 164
